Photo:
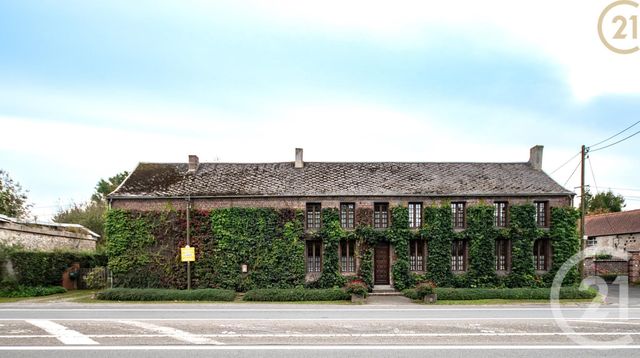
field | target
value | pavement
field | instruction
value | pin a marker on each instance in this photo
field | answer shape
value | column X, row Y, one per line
column 387, row 326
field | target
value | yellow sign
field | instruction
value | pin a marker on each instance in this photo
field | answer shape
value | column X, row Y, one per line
column 187, row 253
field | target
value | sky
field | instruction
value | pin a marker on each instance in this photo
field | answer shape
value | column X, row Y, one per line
column 90, row 88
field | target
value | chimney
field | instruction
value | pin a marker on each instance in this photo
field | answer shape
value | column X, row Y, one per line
column 193, row 163
column 299, row 162
column 535, row 157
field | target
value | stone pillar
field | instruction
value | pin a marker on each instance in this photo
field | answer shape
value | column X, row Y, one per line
column 634, row 267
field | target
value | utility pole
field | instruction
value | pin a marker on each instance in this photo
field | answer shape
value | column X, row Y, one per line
column 583, row 207
column 188, row 243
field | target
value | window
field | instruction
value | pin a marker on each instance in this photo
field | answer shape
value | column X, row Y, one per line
column 417, row 255
column 347, row 258
column 541, row 254
column 459, row 255
column 380, row 215
column 457, row 211
column 415, row 215
column 591, row 241
column 541, row 213
column 313, row 216
column 500, row 214
column 502, row 255
column 314, row 256
column 347, row 215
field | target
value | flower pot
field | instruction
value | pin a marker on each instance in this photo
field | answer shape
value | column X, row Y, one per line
column 432, row 298
column 359, row 299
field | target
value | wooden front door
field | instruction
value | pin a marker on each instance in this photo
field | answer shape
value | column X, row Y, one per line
column 381, row 263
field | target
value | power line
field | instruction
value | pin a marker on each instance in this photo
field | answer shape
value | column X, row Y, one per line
column 593, row 175
column 615, row 135
column 570, row 176
column 612, row 144
column 565, row 163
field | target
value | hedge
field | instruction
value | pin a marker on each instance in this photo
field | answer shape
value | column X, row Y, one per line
column 461, row 294
column 297, row 294
column 155, row 294
column 22, row 291
column 45, row 268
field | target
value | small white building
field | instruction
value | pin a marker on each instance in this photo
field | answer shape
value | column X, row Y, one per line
column 45, row 236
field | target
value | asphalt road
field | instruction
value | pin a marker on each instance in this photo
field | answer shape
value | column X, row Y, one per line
column 65, row 329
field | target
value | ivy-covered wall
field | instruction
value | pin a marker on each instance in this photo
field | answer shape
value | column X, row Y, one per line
column 143, row 247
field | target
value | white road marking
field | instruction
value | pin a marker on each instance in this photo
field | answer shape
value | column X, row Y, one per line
column 275, row 309
column 605, row 322
column 350, row 319
column 171, row 332
column 61, row 333
column 319, row 348
column 347, row 335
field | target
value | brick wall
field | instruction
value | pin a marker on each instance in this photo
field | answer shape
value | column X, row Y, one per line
column 300, row 202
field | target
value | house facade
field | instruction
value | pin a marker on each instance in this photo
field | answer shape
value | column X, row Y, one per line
column 362, row 195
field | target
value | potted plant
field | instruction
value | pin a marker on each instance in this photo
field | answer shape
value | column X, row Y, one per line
column 358, row 290
column 426, row 292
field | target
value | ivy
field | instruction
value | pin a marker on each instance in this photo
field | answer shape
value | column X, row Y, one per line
column 523, row 233
column 481, row 236
column 331, row 232
column 143, row 247
column 565, row 243
column 439, row 232
column 399, row 237
column 366, row 266
column 129, row 239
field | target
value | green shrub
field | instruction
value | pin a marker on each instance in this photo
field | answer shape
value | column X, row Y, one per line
column 425, row 288
column 603, row 256
column 96, row 279
column 22, row 291
column 460, row 294
column 157, row 294
column 357, row 287
column 297, row 294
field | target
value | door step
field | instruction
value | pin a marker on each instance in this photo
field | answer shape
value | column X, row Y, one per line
column 384, row 290
column 385, row 293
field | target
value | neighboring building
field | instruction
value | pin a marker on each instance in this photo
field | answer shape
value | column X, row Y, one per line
column 355, row 189
column 613, row 231
column 45, row 236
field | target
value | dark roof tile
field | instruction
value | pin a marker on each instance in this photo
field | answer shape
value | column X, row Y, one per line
column 338, row 179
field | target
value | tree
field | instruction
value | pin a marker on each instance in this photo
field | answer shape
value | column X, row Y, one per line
column 105, row 187
column 605, row 202
column 91, row 213
column 13, row 200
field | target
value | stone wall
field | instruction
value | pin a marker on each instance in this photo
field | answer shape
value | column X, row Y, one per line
column 45, row 238
column 622, row 242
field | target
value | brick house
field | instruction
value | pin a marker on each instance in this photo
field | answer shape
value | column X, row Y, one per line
column 363, row 192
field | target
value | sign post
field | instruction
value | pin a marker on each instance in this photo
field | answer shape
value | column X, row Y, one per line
column 188, row 255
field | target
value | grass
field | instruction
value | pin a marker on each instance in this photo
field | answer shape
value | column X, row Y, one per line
column 499, row 301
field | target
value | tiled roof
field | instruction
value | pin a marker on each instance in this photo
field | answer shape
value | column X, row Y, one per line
column 338, row 179
column 624, row 222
